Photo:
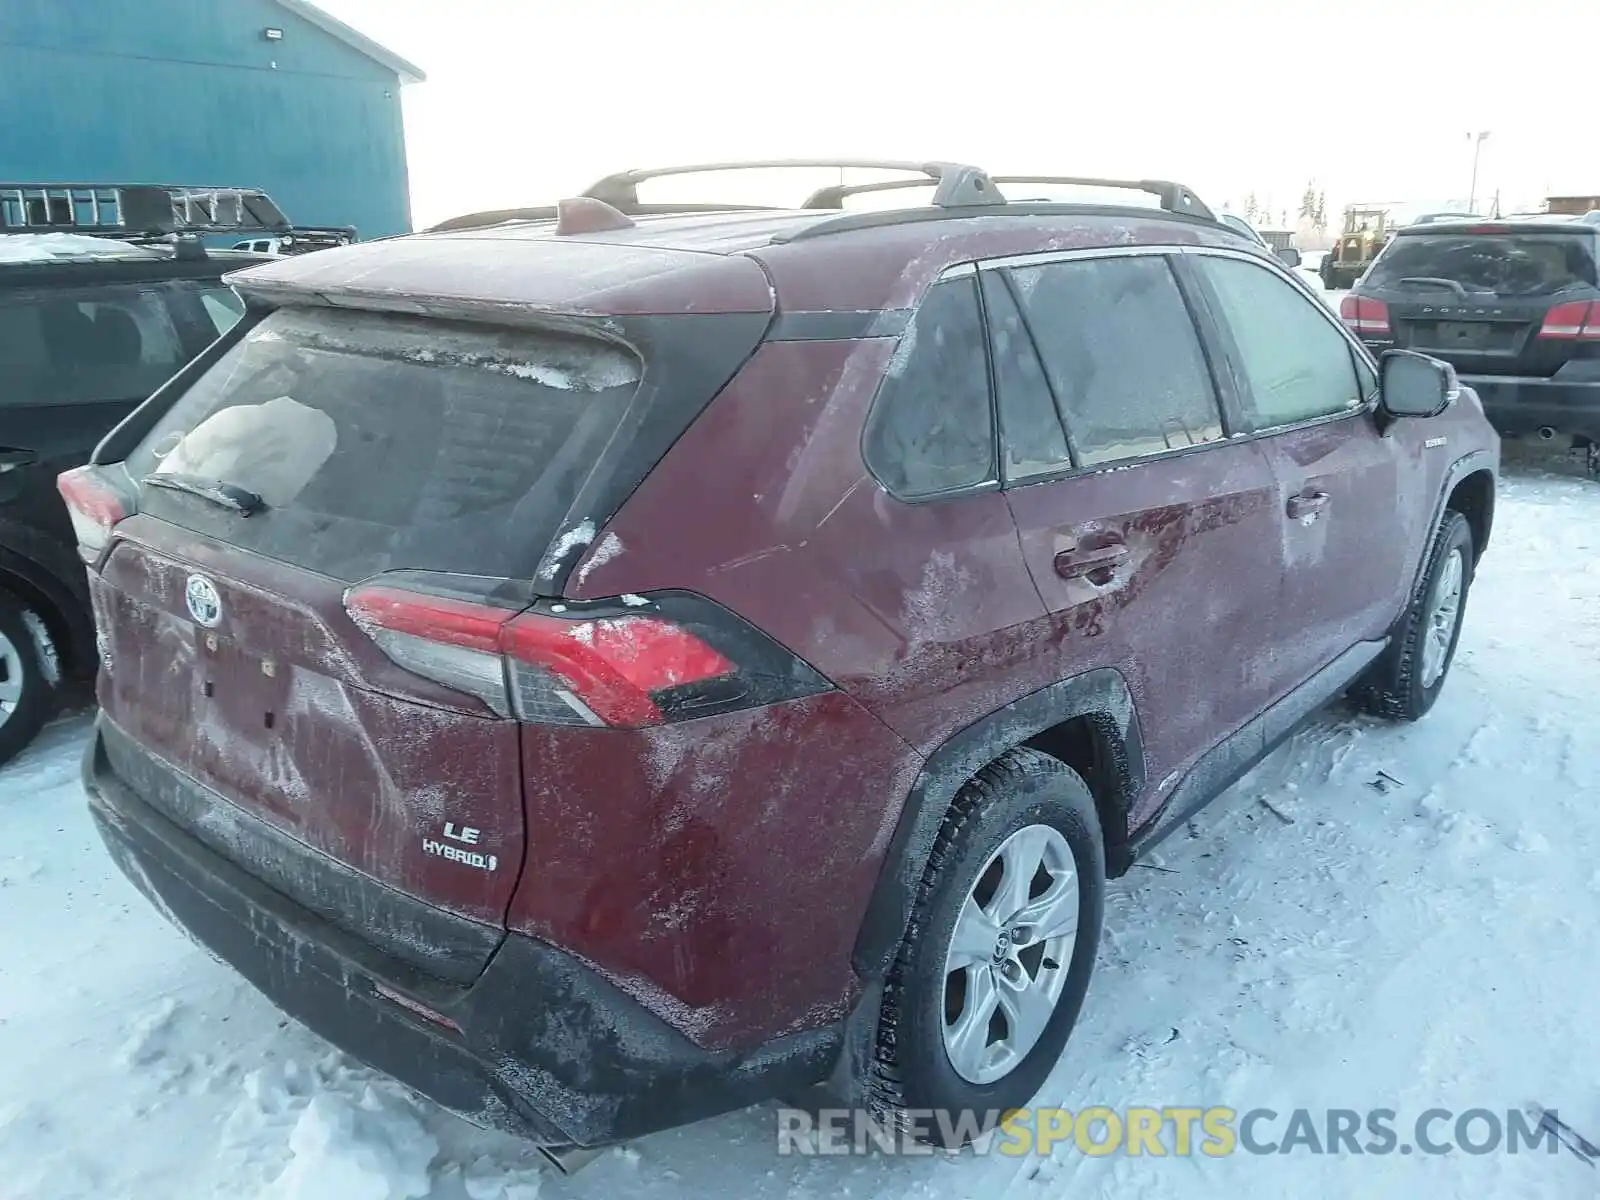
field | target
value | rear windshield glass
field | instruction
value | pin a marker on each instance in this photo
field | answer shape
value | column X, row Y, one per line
column 383, row 442
column 1516, row 264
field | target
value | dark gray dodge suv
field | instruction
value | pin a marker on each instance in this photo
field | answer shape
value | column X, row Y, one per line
column 1513, row 305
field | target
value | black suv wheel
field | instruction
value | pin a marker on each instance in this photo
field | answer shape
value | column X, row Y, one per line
column 27, row 687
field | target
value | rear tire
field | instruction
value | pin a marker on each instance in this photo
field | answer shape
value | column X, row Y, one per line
column 27, row 691
column 1024, row 807
column 1411, row 673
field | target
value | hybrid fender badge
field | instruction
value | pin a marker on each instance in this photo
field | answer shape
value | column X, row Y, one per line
column 466, row 835
column 1434, row 442
column 205, row 605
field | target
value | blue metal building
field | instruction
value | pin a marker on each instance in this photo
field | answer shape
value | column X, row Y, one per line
column 274, row 94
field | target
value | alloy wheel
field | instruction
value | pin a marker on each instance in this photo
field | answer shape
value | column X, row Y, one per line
column 1009, row 954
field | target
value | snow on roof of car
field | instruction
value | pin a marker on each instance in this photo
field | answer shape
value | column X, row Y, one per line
column 51, row 247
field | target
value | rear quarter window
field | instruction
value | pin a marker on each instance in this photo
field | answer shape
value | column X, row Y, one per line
column 223, row 307
column 382, row 442
column 85, row 345
column 931, row 429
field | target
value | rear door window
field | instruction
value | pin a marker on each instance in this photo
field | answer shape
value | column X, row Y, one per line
column 932, row 428
column 1510, row 264
column 85, row 346
column 1297, row 365
column 1122, row 356
column 381, row 442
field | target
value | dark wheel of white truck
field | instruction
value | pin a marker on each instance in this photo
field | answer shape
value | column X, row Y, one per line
column 996, row 960
column 27, row 685
column 1408, row 678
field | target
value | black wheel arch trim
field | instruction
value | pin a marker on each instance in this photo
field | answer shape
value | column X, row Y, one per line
column 1468, row 464
column 1102, row 693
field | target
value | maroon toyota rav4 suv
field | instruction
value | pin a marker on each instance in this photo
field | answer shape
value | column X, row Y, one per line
column 610, row 665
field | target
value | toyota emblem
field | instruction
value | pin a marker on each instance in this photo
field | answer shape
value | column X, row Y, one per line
column 205, row 605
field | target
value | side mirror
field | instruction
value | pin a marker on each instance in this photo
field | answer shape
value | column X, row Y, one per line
column 1288, row 256
column 1415, row 385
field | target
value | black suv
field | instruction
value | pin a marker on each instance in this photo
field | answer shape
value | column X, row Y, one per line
column 1513, row 305
column 105, row 293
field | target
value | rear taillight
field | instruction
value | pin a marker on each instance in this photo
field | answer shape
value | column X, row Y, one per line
column 677, row 657
column 95, row 506
column 1364, row 315
column 1575, row 322
column 609, row 671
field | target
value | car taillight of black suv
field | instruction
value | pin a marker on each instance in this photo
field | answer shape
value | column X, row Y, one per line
column 1513, row 305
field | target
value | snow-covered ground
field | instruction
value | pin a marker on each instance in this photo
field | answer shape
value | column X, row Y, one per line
column 1379, row 916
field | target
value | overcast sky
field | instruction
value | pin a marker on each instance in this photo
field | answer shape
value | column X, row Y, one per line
column 527, row 100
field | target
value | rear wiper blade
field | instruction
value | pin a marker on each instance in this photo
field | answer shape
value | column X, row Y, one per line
column 1432, row 281
column 227, row 495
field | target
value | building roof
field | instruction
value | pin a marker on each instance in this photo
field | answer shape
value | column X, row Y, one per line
column 408, row 72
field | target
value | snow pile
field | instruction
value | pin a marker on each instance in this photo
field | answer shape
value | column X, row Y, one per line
column 610, row 546
column 50, row 247
column 576, row 538
column 603, row 369
column 368, row 1150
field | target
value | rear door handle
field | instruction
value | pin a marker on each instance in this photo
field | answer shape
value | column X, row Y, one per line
column 1075, row 564
column 1307, row 504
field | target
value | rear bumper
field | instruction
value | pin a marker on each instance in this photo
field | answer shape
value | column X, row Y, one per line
column 1519, row 405
column 539, row 1045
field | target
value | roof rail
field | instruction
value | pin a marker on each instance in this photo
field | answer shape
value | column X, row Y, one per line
column 319, row 237
column 957, row 187
column 136, row 212
column 550, row 212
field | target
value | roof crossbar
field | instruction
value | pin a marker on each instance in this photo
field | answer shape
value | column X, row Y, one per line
column 960, row 187
column 956, row 184
column 1174, row 197
column 136, row 211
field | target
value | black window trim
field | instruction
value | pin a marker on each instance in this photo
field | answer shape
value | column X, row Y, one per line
column 991, row 483
column 1179, row 251
column 1221, row 388
column 1215, row 346
column 1230, row 353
